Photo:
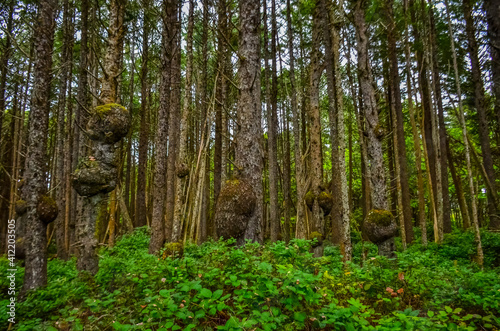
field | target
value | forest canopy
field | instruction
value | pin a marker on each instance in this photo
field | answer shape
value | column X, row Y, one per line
column 358, row 135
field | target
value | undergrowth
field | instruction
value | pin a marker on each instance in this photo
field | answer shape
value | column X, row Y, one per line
column 218, row 286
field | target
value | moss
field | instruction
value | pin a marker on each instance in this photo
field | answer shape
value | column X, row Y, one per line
column 108, row 123
column 315, row 235
column 380, row 217
column 47, row 209
column 325, row 201
column 309, row 199
column 318, row 236
column 379, row 226
column 92, row 177
column 173, row 249
column 20, row 207
column 103, row 110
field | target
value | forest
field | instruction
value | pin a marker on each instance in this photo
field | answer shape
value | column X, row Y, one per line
column 250, row 165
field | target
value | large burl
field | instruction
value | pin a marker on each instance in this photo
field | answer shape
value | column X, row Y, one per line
column 325, row 200
column 235, row 205
column 92, row 177
column 380, row 228
column 109, row 123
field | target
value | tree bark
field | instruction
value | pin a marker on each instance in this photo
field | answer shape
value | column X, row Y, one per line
column 374, row 130
column 272, row 122
column 158, row 230
column 316, row 160
column 173, row 231
column 492, row 9
column 479, row 101
column 141, row 214
column 461, row 118
column 35, row 187
column 249, row 153
column 66, row 64
column 397, row 108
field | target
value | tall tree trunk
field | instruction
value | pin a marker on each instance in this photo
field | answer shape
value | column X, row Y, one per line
column 4, row 64
column 81, row 116
column 492, row 9
column 103, row 159
column 141, row 214
column 416, row 136
column 461, row 118
column 220, row 101
column 66, row 64
column 374, row 130
column 5, row 177
column 183, row 166
column 297, row 132
column 248, row 151
column 158, row 230
column 174, row 229
column 272, row 120
column 445, row 194
column 35, row 188
column 316, row 160
column 397, row 108
column 424, row 90
column 484, row 133
column 333, row 109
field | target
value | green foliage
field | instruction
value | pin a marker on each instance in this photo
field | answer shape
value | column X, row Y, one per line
column 274, row 287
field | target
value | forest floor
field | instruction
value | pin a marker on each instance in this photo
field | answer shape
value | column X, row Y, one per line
column 217, row 286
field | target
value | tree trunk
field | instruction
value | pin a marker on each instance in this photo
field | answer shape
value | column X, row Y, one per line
column 484, row 135
column 461, row 118
column 299, row 175
column 374, row 130
column 248, row 151
column 416, row 137
column 35, row 187
column 492, row 9
column 173, row 231
column 66, row 59
column 183, row 159
column 141, row 214
column 397, row 108
column 159, row 178
column 316, row 160
column 272, row 123
column 446, row 218
column 102, row 162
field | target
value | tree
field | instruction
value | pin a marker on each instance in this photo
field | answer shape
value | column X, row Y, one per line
column 158, row 230
column 379, row 225
column 40, row 208
column 97, row 174
column 230, row 218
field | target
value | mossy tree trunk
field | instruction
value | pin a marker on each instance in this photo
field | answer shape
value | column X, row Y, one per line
column 35, row 186
column 97, row 174
column 379, row 225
